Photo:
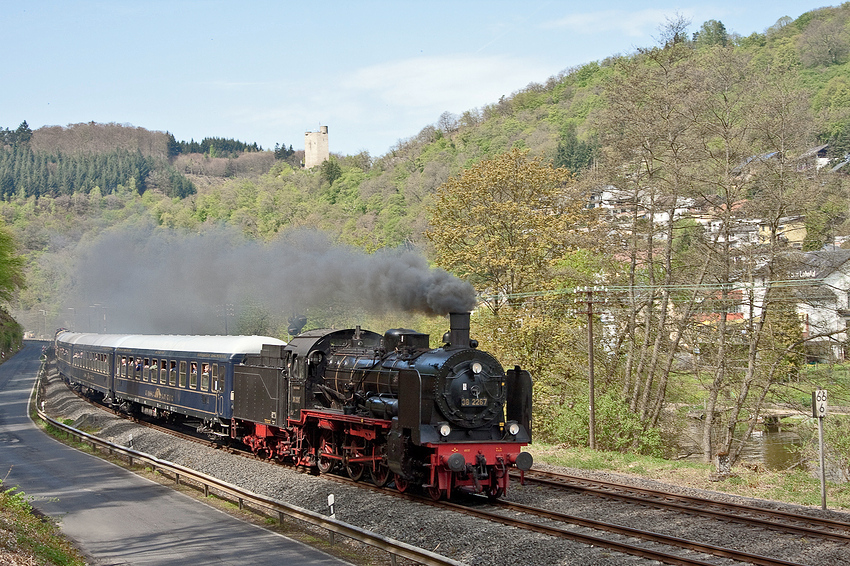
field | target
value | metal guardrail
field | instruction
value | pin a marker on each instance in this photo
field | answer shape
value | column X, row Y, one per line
column 333, row 526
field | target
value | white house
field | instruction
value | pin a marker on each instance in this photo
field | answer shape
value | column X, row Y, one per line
column 820, row 284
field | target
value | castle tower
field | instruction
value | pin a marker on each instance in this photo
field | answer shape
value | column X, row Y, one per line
column 316, row 149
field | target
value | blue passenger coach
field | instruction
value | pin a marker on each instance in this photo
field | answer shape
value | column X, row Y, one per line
column 161, row 376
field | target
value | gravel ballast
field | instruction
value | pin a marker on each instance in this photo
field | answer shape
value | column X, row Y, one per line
column 476, row 542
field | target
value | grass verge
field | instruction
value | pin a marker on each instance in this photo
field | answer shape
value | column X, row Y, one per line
column 27, row 537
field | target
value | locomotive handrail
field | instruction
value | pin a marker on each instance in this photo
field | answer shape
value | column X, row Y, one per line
column 394, row 547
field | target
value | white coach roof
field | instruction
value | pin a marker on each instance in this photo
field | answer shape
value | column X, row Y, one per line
column 173, row 343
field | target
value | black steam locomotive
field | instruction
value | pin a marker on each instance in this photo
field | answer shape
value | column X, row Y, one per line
column 387, row 406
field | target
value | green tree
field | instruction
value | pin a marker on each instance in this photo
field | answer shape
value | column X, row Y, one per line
column 574, row 154
column 330, row 170
column 23, row 134
column 504, row 224
column 711, row 33
column 510, row 226
column 11, row 266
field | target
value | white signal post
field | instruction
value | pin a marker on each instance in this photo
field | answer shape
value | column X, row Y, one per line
column 819, row 412
column 331, row 513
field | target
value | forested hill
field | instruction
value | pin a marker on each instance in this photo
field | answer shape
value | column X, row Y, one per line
column 55, row 160
column 62, row 185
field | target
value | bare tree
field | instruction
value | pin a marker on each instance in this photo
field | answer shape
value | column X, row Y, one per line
column 824, row 42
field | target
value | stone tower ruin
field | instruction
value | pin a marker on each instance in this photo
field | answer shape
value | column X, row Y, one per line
column 316, row 149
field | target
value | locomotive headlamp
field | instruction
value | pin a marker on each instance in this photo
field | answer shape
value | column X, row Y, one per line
column 513, row 429
column 476, row 367
column 445, row 429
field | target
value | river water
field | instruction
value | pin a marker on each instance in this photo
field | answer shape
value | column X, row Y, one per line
column 775, row 450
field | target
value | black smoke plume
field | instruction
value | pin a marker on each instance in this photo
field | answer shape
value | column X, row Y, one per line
column 150, row 280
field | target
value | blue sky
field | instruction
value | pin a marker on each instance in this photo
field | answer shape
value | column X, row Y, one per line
column 374, row 72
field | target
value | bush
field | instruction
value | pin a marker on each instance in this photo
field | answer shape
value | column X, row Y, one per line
column 618, row 429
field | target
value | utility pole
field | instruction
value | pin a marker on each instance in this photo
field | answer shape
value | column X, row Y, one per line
column 591, row 434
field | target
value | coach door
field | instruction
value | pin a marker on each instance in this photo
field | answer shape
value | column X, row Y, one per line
column 218, row 375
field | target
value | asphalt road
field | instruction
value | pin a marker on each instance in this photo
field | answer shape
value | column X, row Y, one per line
column 114, row 516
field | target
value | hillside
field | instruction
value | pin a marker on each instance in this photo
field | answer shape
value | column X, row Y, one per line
column 73, row 183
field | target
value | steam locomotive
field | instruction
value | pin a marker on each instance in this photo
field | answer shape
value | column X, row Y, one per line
column 384, row 405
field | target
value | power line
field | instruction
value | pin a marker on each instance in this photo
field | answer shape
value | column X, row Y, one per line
column 644, row 289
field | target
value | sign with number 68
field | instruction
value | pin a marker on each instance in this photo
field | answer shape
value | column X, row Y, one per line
column 819, row 403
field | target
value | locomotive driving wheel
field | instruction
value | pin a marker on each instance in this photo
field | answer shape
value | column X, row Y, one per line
column 324, row 462
column 380, row 475
column 355, row 470
column 436, row 493
column 379, row 471
column 401, row 484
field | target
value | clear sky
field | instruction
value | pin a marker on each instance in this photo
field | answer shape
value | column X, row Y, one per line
column 374, row 72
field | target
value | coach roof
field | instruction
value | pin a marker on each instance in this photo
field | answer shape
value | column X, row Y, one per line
column 173, row 343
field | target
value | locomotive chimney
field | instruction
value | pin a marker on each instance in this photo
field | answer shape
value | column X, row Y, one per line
column 459, row 329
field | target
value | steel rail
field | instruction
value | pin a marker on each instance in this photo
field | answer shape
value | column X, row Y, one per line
column 698, row 506
column 589, row 539
column 631, row 532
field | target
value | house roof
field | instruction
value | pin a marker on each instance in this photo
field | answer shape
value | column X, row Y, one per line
column 827, row 261
column 814, row 151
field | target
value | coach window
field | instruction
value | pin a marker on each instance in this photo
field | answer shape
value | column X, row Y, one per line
column 146, row 370
column 182, row 374
column 216, row 384
column 193, row 376
column 163, row 372
column 172, row 373
column 205, row 377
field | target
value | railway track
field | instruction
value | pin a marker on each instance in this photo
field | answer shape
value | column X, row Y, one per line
column 773, row 519
column 654, row 546
column 619, row 538
column 664, row 548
